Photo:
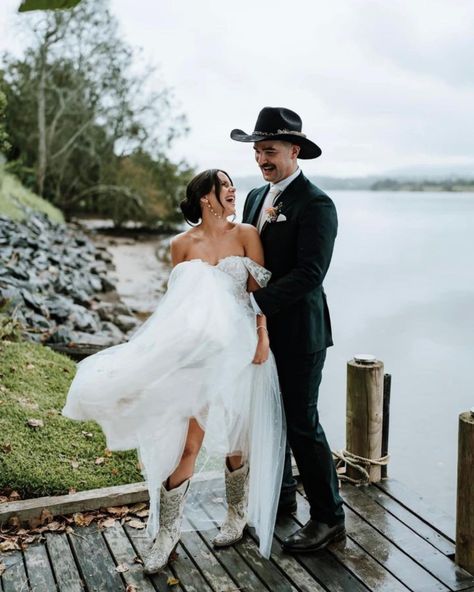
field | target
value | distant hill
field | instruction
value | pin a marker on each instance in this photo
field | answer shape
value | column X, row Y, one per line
column 326, row 183
column 385, row 182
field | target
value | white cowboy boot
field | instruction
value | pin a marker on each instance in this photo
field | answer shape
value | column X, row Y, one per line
column 236, row 488
column 171, row 512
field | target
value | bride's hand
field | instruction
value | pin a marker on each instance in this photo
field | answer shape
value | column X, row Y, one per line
column 263, row 349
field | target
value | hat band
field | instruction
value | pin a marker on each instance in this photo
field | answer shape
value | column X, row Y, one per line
column 279, row 132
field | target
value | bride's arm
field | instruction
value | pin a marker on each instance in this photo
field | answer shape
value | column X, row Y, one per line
column 254, row 250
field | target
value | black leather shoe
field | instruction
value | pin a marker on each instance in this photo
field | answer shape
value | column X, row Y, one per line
column 287, row 507
column 314, row 536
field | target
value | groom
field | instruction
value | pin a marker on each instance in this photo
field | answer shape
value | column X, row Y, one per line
column 298, row 225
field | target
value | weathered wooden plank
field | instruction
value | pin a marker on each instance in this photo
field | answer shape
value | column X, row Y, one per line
column 414, row 502
column 39, row 569
column 323, row 567
column 14, row 577
column 356, row 560
column 267, row 571
column 423, row 529
column 91, row 499
column 233, row 563
column 125, row 555
column 141, row 543
column 389, row 556
column 187, row 573
column 63, row 563
column 290, row 566
column 210, row 567
column 95, row 561
column 408, row 541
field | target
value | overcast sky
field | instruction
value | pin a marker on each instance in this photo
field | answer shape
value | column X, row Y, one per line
column 379, row 85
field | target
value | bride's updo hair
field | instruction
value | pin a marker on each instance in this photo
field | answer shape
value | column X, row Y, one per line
column 198, row 187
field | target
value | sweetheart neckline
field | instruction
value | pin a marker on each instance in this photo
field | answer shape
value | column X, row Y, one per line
column 218, row 262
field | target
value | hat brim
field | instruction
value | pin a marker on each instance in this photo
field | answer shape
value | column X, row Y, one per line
column 308, row 148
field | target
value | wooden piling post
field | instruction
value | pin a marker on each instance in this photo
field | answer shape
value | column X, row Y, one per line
column 465, row 493
column 364, row 412
column 387, row 388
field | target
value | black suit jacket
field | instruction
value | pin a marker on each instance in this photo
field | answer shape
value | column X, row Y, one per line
column 298, row 252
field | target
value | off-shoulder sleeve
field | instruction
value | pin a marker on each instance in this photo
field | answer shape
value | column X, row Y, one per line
column 260, row 274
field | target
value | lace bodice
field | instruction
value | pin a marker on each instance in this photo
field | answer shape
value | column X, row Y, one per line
column 239, row 268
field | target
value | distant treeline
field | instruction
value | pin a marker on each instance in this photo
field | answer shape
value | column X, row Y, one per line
column 424, row 185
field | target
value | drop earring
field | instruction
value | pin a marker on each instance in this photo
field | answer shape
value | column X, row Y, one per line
column 213, row 211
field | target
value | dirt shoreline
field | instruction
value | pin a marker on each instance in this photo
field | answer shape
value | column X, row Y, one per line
column 141, row 270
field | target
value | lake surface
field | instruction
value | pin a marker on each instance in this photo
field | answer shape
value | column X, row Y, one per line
column 401, row 286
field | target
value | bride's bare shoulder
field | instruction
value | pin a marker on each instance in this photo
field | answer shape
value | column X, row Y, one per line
column 248, row 233
column 180, row 244
column 247, row 230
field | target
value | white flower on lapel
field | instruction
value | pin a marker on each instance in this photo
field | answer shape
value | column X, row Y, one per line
column 281, row 218
column 272, row 214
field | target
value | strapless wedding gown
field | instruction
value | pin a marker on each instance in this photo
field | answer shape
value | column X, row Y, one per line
column 192, row 358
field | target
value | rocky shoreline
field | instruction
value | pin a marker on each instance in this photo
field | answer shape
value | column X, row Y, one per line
column 55, row 281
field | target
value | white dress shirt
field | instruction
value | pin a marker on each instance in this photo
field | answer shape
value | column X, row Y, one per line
column 273, row 192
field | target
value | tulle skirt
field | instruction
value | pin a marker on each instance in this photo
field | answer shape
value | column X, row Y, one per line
column 191, row 358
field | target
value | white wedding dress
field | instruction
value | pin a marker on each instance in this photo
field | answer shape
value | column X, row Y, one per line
column 192, row 358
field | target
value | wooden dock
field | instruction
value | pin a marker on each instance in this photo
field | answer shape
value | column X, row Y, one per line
column 394, row 544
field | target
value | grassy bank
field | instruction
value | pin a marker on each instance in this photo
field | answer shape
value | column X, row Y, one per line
column 60, row 454
column 13, row 195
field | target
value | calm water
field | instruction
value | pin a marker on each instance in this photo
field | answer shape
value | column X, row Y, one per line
column 401, row 286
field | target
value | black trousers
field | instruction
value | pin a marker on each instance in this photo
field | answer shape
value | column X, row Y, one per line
column 300, row 377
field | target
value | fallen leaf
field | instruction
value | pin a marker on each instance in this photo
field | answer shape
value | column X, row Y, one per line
column 9, row 546
column 14, row 522
column 79, row 519
column 142, row 513
column 138, row 524
column 55, row 526
column 172, row 581
column 46, row 516
column 6, row 448
column 118, row 510
column 14, row 496
column 137, row 507
column 138, row 560
column 72, row 490
column 108, row 522
column 30, row 366
column 99, row 460
column 87, row 434
column 131, row 588
column 122, row 568
column 74, row 464
column 35, row 423
column 114, row 471
column 107, row 453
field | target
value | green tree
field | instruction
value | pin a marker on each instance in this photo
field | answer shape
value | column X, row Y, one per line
column 77, row 107
column 4, row 145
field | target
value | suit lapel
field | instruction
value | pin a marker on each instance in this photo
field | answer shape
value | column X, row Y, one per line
column 257, row 204
column 291, row 192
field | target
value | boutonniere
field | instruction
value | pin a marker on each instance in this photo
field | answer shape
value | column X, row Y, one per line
column 272, row 214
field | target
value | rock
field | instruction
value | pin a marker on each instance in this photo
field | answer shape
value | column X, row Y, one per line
column 114, row 333
column 51, row 276
column 126, row 322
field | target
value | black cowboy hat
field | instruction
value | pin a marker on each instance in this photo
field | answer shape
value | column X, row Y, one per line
column 278, row 123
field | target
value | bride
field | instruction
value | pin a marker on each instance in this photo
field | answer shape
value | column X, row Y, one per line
column 199, row 373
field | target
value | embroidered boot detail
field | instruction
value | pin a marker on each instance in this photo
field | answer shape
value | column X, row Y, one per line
column 236, row 487
column 171, row 511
